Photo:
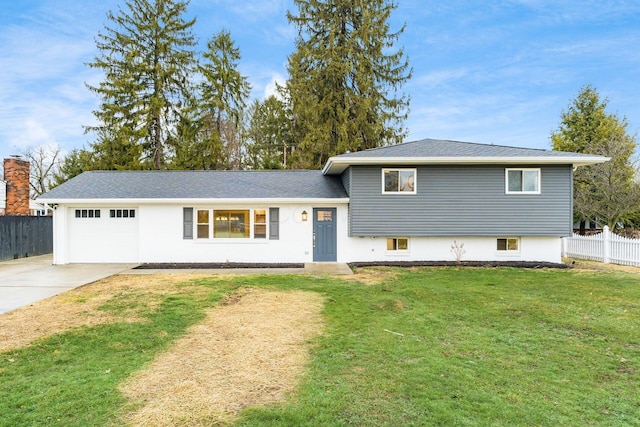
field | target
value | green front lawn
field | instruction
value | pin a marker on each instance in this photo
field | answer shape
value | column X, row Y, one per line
column 443, row 346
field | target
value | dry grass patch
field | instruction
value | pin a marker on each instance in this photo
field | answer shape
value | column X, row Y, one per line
column 250, row 350
column 80, row 307
column 372, row 275
column 580, row 264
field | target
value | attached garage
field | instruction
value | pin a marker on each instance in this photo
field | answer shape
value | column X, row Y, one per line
column 102, row 235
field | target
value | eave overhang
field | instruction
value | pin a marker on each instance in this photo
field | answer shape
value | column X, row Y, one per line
column 193, row 201
column 337, row 165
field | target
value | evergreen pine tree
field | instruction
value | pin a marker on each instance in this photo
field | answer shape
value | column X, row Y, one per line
column 269, row 135
column 212, row 132
column 345, row 78
column 146, row 56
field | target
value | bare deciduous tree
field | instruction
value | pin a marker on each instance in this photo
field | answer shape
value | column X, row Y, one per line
column 45, row 161
column 609, row 191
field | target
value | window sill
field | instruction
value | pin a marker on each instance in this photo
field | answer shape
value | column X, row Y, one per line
column 506, row 254
column 231, row 241
column 397, row 253
column 523, row 193
column 399, row 193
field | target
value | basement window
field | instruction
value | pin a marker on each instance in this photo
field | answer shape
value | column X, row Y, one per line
column 509, row 244
column 397, row 244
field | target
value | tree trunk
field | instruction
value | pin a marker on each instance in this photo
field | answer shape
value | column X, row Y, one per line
column 582, row 227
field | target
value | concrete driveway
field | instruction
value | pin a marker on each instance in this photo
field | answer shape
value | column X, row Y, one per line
column 27, row 280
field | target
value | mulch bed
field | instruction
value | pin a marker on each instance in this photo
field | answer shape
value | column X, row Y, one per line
column 213, row 265
column 516, row 264
column 236, row 265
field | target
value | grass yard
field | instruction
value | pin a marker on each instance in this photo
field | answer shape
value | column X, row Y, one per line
column 412, row 347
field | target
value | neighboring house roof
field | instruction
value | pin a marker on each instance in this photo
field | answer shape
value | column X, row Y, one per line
column 433, row 151
column 201, row 185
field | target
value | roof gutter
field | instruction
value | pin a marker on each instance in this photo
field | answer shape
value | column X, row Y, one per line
column 336, row 165
column 192, row 202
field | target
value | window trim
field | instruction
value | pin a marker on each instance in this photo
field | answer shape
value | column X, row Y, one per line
column 250, row 225
column 508, row 251
column 415, row 180
column 538, row 184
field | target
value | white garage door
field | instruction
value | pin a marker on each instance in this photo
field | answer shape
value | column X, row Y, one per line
column 102, row 235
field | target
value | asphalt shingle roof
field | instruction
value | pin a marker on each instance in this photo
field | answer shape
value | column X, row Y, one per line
column 446, row 148
column 199, row 185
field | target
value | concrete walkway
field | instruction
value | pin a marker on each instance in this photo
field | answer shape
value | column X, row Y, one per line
column 27, row 280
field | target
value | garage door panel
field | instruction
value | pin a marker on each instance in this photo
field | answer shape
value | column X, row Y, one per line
column 102, row 239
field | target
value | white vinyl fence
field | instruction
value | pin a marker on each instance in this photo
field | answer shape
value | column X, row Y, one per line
column 605, row 247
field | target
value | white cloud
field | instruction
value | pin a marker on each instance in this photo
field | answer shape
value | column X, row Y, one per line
column 440, row 77
column 271, row 87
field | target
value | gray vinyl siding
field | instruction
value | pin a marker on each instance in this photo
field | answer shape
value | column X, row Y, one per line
column 346, row 180
column 461, row 201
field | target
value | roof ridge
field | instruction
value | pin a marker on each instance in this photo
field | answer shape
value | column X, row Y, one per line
column 485, row 144
column 433, row 140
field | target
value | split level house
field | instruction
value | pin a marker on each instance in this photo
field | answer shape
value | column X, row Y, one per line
column 406, row 202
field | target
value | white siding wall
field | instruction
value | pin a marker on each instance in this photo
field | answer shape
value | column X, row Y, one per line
column 161, row 232
column 156, row 236
column 363, row 249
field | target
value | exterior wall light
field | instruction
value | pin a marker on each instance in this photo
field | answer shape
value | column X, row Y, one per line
column 304, row 215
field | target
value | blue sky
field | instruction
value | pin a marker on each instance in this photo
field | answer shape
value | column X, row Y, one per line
column 496, row 72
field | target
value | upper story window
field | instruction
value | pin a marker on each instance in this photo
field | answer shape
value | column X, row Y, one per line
column 522, row 181
column 399, row 181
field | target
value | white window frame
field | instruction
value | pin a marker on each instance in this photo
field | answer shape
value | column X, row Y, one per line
column 415, row 180
column 397, row 251
column 211, row 235
column 538, row 184
column 508, row 251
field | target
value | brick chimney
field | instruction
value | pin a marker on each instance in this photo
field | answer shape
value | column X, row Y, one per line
column 16, row 174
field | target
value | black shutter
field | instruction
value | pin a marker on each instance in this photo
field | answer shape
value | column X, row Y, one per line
column 187, row 223
column 274, row 223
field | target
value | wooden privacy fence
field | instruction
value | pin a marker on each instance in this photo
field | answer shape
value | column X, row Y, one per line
column 606, row 247
column 25, row 236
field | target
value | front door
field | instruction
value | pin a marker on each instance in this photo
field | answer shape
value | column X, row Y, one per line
column 324, row 234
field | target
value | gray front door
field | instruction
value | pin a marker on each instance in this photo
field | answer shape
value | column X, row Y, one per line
column 324, row 234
